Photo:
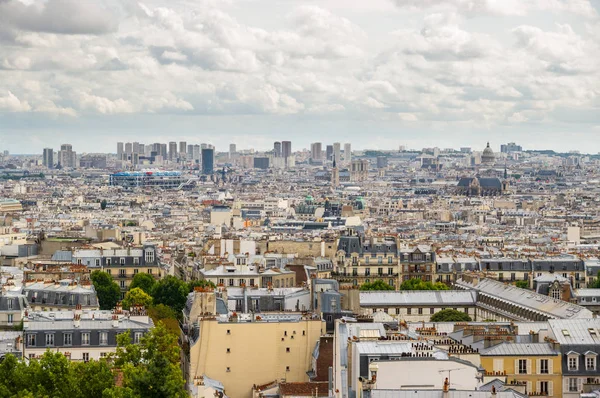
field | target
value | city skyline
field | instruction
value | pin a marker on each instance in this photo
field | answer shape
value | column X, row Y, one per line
column 416, row 73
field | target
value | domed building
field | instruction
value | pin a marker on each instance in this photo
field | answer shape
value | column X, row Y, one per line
column 488, row 156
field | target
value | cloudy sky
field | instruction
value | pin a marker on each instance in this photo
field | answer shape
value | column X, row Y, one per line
column 377, row 73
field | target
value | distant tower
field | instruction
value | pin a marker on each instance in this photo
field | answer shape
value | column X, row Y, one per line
column 120, row 150
column 347, row 153
column 182, row 149
column 232, row 150
column 316, row 152
column 172, row 150
column 337, row 149
column 49, row 158
column 335, row 175
column 277, row 149
column 208, row 161
column 328, row 153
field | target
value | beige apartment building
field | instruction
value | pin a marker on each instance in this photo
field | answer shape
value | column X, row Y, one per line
column 248, row 349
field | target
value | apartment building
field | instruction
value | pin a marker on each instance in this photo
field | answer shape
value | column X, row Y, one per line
column 244, row 350
column 61, row 295
column 81, row 335
column 536, row 365
column 121, row 262
column 12, row 309
column 417, row 263
column 362, row 260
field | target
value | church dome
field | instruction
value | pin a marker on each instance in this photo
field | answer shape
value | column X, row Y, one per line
column 488, row 155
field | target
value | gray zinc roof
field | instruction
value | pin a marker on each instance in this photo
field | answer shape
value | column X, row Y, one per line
column 423, row 297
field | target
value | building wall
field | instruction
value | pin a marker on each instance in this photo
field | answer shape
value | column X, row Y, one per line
column 417, row 313
column 257, row 352
column 509, row 366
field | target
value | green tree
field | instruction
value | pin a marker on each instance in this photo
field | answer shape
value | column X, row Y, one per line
column 596, row 284
column 201, row 283
column 107, row 290
column 136, row 296
column 522, row 284
column 103, row 204
column 172, row 292
column 94, row 376
column 418, row 284
column 160, row 312
column 376, row 285
column 450, row 315
column 144, row 281
column 152, row 367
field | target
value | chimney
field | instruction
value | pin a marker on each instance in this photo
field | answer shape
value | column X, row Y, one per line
column 77, row 321
column 115, row 321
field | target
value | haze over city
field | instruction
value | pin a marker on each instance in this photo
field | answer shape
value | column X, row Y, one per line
column 381, row 73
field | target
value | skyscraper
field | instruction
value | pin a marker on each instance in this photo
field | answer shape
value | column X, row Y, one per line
column 208, row 161
column 347, row 153
column 136, row 147
column 196, row 152
column 120, row 150
column 337, row 150
column 49, row 158
column 316, row 152
column 277, row 149
column 182, row 149
column 286, row 149
column 66, row 156
column 232, row 150
column 128, row 148
column 329, row 153
column 172, row 150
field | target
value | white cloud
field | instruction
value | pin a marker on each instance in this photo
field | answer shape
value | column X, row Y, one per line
column 10, row 102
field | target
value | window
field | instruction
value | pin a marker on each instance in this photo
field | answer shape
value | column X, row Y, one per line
column 555, row 294
column 135, row 271
column 390, row 271
column 31, row 340
column 573, row 363
column 79, row 261
column 522, row 366
column 97, row 262
column 103, row 338
column 136, row 261
column 287, row 368
column 108, row 261
column 85, row 339
column 230, row 282
column 10, row 304
column 137, row 336
column 122, row 261
column 379, row 271
column 10, row 319
column 86, row 356
column 380, row 260
column 367, row 271
column 590, row 363
column 397, row 311
column 408, row 310
column 103, row 355
column 252, row 282
column 390, row 260
column 149, row 256
column 149, row 271
column 229, row 351
column 366, row 260
column 543, row 387
column 228, row 331
column 573, row 385
column 431, row 311
column 544, row 366
column 391, row 282
column 122, row 284
column 420, row 311
column 228, row 369
column 68, row 339
column 49, row 339
column 287, row 349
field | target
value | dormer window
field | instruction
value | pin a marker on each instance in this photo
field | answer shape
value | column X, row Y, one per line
column 149, row 254
column 572, row 361
column 590, row 360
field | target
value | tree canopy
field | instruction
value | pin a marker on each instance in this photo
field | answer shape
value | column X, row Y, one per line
column 107, row 290
column 149, row 369
column 376, row 285
column 172, row 292
column 522, row 284
column 136, row 296
column 450, row 315
column 418, row 284
column 144, row 281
